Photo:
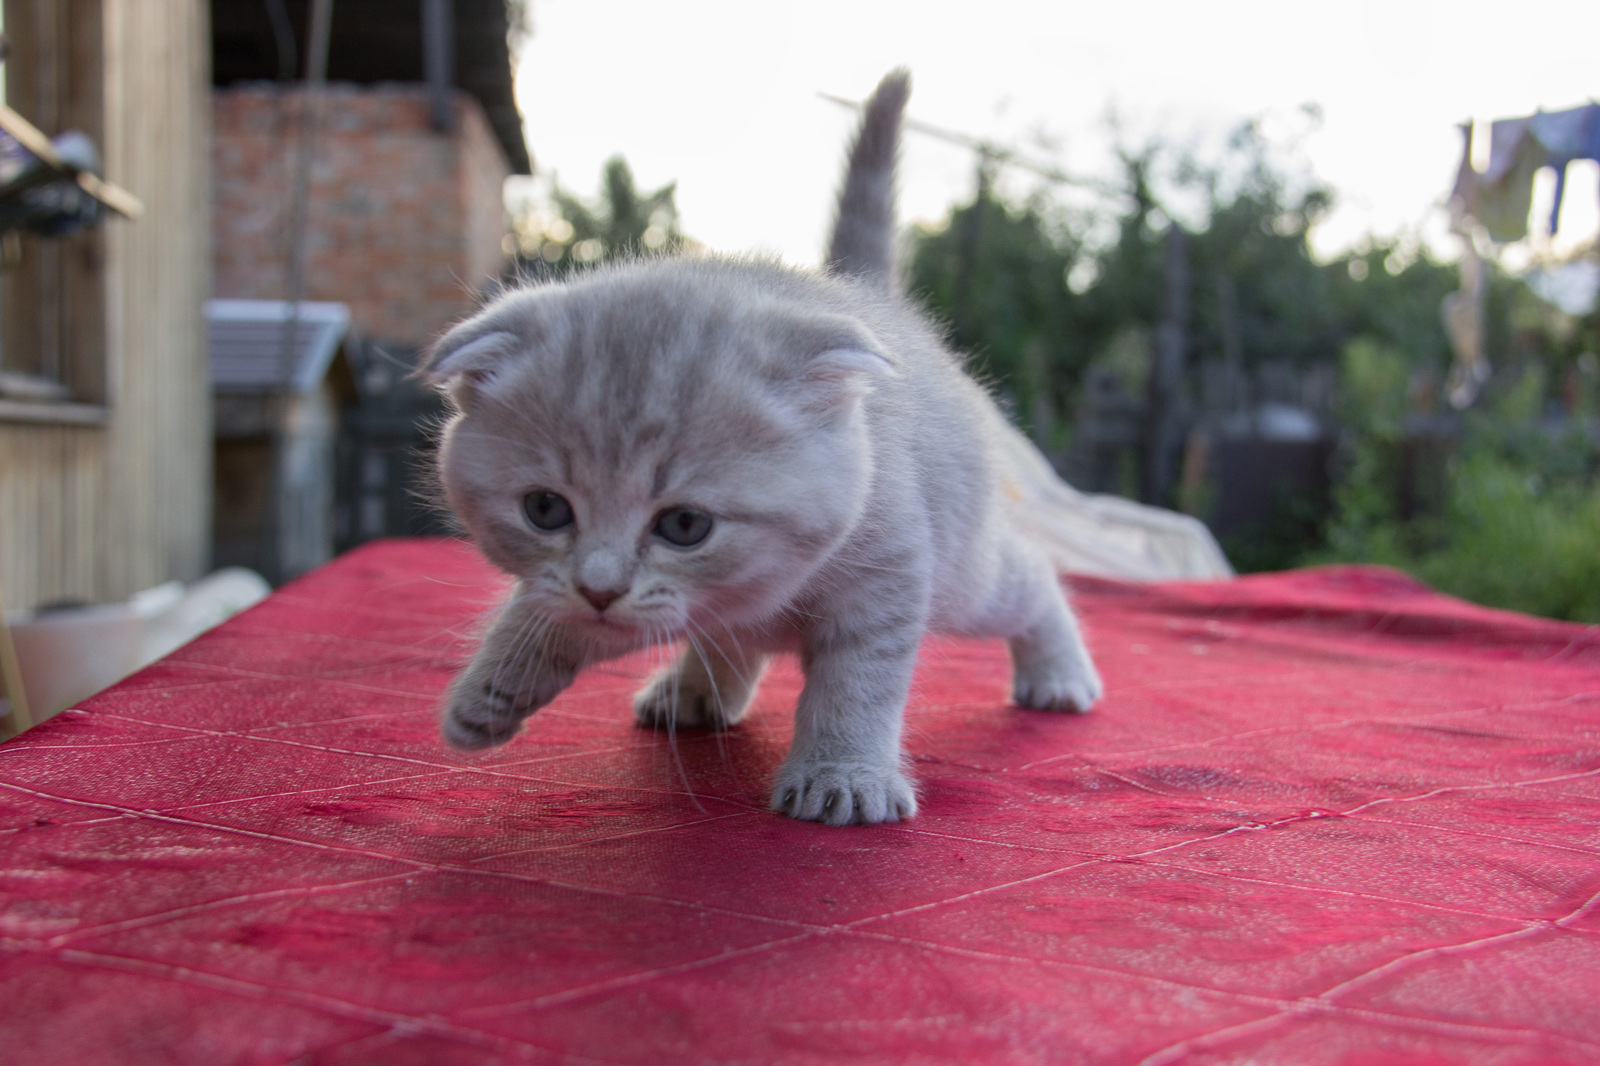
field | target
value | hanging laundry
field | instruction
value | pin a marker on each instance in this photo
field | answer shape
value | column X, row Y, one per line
column 1498, row 200
column 1464, row 194
column 1566, row 136
column 1462, row 311
column 1505, row 191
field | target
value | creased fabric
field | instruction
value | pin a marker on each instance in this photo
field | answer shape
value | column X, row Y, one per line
column 1327, row 816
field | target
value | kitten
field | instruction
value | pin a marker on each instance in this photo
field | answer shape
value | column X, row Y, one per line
column 751, row 459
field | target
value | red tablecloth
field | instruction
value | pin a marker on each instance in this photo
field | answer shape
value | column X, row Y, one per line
column 1325, row 816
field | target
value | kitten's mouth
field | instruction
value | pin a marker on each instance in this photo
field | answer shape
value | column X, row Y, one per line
column 607, row 625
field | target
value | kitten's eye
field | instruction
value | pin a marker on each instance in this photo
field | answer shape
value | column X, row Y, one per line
column 683, row 526
column 546, row 510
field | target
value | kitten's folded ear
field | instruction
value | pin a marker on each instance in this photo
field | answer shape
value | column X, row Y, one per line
column 839, row 360
column 467, row 358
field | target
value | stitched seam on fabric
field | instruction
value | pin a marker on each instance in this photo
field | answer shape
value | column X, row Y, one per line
column 567, row 995
column 912, row 830
column 1316, row 728
column 424, row 865
column 1490, row 786
column 1289, row 1006
column 61, row 940
column 1247, row 827
column 1325, row 999
column 435, row 1025
column 1590, row 852
column 179, row 913
column 989, row 889
column 492, row 771
column 1330, row 890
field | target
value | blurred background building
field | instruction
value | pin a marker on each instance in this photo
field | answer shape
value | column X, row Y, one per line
column 105, row 414
column 320, row 184
column 375, row 183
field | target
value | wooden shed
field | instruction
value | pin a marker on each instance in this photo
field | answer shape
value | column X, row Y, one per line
column 105, row 478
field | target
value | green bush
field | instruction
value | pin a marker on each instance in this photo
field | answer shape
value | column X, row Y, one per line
column 1518, row 522
column 1517, row 541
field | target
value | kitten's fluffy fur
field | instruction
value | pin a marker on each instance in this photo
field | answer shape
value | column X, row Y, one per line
column 851, row 472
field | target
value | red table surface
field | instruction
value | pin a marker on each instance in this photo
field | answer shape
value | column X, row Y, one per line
column 1326, row 816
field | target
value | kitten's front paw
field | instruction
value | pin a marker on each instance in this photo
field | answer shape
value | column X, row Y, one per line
column 841, row 793
column 479, row 714
column 1057, row 686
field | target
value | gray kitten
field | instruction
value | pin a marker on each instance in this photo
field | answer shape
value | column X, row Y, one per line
column 749, row 459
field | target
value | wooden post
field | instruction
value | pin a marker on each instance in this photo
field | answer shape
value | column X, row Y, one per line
column 438, row 61
column 1164, row 408
column 318, row 33
column 11, row 680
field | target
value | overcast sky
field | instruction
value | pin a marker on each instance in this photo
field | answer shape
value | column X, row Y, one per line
column 721, row 96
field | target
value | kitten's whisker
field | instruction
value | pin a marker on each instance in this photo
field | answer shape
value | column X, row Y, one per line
column 717, row 649
column 677, row 696
column 667, row 646
column 716, row 696
column 689, row 635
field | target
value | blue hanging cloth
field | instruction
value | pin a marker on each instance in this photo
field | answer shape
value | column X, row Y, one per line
column 1566, row 136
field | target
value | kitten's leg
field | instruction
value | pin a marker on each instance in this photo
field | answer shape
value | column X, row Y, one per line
column 523, row 663
column 710, row 688
column 845, row 763
column 1051, row 666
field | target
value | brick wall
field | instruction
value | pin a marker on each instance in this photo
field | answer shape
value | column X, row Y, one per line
column 404, row 223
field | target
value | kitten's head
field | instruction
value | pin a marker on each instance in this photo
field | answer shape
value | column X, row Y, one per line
column 658, row 450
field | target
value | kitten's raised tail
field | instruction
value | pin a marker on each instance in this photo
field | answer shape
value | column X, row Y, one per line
column 863, row 232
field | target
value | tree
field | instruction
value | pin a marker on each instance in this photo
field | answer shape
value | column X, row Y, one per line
column 997, row 274
column 622, row 222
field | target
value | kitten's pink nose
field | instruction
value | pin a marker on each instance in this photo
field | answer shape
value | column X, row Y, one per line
column 599, row 599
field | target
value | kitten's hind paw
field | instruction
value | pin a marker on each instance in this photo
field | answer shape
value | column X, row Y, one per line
column 843, row 793
column 658, row 708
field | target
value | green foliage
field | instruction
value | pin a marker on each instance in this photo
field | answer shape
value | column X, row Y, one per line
column 1497, row 506
column 1392, row 298
column 1518, row 525
column 1516, row 540
column 1279, row 542
column 997, row 275
column 1374, row 380
column 622, row 222
column 1509, row 538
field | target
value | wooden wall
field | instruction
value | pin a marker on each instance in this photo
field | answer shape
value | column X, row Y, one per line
column 100, row 511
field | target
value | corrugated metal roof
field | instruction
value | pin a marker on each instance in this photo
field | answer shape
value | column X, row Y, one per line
column 247, row 344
